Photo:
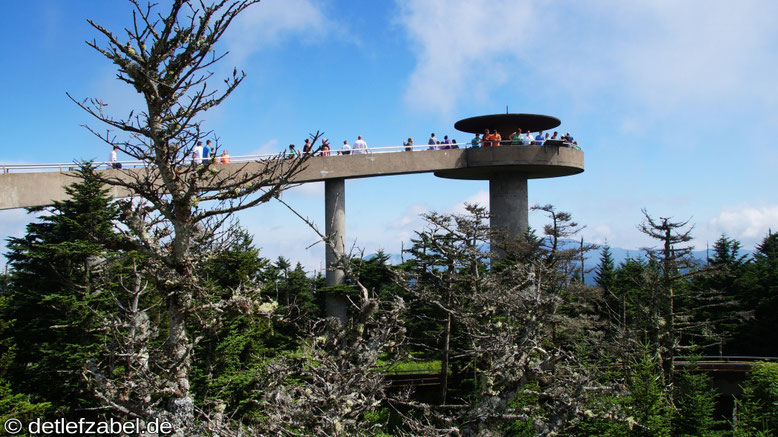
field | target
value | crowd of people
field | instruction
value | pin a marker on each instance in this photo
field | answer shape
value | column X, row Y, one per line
column 205, row 153
column 519, row 138
column 200, row 154
column 359, row 147
column 489, row 139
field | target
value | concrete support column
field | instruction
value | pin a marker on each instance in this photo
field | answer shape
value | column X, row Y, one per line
column 508, row 205
column 335, row 229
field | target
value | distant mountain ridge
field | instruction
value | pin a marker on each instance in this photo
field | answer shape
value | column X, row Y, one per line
column 592, row 258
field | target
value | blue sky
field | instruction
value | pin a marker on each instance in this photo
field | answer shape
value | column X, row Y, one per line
column 674, row 104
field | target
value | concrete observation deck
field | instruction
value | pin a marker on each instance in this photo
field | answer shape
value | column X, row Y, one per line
column 507, row 168
column 20, row 190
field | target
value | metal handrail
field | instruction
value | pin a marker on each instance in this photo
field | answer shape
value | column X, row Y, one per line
column 70, row 166
column 722, row 358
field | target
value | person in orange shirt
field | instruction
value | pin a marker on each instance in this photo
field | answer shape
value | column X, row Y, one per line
column 225, row 158
column 496, row 139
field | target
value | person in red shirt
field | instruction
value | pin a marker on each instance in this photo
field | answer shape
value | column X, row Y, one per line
column 488, row 137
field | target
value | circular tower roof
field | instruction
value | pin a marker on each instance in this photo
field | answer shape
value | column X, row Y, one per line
column 507, row 123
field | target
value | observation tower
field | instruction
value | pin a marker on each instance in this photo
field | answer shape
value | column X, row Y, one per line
column 508, row 167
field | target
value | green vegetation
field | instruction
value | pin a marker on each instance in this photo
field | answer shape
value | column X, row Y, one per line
column 516, row 358
column 161, row 307
column 757, row 409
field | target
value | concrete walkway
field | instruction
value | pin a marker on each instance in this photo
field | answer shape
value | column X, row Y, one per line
column 18, row 190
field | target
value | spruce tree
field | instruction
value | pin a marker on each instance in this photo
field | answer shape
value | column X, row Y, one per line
column 13, row 405
column 605, row 271
column 726, row 266
column 53, row 294
column 759, row 285
column 695, row 401
column 647, row 400
column 756, row 413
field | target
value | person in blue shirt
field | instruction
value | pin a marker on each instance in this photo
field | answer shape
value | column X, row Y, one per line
column 207, row 151
column 540, row 139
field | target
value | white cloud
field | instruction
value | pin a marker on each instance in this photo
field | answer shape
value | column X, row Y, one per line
column 600, row 234
column 270, row 147
column 480, row 198
column 411, row 218
column 660, row 54
column 269, row 22
column 311, row 189
column 690, row 51
column 458, row 43
column 746, row 223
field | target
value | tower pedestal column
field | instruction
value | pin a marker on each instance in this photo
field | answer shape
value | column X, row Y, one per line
column 335, row 229
column 509, row 208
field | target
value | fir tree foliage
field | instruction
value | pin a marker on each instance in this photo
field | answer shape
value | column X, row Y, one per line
column 54, row 290
column 605, row 271
column 757, row 409
column 647, row 402
column 14, row 405
column 758, row 286
column 695, row 401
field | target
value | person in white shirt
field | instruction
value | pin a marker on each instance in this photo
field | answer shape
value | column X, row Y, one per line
column 113, row 158
column 360, row 146
column 346, row 149
column 197, row 155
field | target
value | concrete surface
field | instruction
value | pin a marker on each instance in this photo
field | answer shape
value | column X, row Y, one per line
column 335, row 227
column 18, row 190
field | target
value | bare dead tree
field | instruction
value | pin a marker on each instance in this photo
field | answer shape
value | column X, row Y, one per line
column 505, row 317
column 177, row 208
column 336, row 377
column 338, row 374
column 448, row 247
column 560, row 254
column 686, row 319
column 504, row 314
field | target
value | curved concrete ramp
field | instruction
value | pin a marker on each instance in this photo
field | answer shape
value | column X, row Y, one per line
column 18, row 190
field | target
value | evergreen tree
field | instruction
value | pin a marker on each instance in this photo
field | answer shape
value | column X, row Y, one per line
column 639, row 408
column 449, row 264
column 647, row 400
column 629, row 316
column 13, row 405
column 54, row 292
column 726, row 267
column 605, row 271
column 726, row 252
column 374, row 272
column 759, row 285
column 669, row 263
column 230, row 356
column 757, row 409
column 237, row 265
column 695, row 401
